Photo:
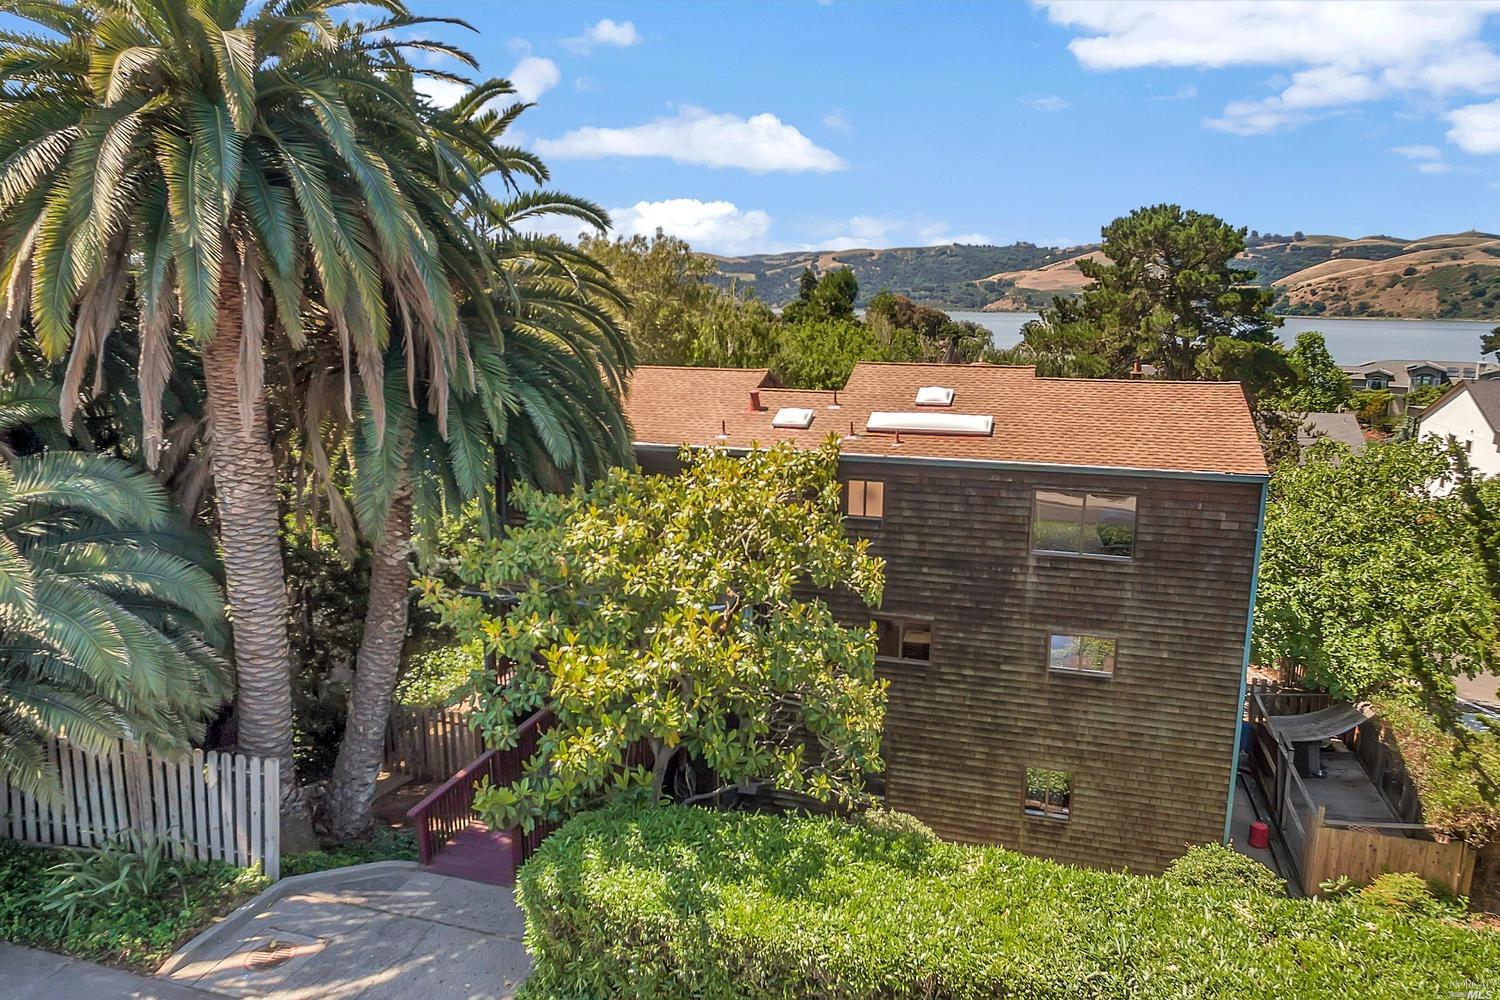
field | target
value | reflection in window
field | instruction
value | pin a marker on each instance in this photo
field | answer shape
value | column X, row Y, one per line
column 903, row 640
column 1084, row 653
column 1097, row 524
column 866, row 498
column 1048, row 793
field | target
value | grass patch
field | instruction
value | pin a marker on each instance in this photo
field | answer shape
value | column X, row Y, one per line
column 383, row 844
column 674, row 903
column 138, row 927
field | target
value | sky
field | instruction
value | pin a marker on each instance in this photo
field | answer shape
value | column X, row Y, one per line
column 830, row 124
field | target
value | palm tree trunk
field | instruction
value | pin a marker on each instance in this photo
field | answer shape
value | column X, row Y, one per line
column 250, row 538
column 352, row 788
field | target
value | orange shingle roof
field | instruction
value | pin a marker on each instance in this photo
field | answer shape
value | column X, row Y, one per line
column 1137, row 424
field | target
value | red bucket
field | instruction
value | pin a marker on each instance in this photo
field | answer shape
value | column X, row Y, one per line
column 1260, row 835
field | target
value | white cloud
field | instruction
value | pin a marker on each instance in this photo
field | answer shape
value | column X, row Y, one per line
column 860, row 232
column 1342, row 53
column 1433, row 167
column 1184, row 93
column 835, row 119
column 1476, row 128
column 716, row 226
column 1418, row 152
column 621, row 34
column 760, row 144
column 443, row 93
column 533, row 77
column 1045, row 102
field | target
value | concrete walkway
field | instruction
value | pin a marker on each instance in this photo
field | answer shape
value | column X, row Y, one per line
column 375, row 931
column 28, row 974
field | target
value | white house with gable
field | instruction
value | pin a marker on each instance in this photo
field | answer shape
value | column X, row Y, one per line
column 1470, row 413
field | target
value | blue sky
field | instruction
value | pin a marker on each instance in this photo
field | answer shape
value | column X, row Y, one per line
column 748, row 127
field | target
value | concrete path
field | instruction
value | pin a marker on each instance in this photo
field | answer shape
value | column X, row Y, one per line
column 375, row 931
column 28, row 974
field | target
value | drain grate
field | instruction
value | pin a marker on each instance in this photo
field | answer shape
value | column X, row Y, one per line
column 271, row 955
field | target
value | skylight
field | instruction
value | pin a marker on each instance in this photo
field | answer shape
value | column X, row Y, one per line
column 934, row 395
column 793, row 417
column 964, row 424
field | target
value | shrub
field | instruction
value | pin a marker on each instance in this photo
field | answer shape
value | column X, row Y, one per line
column 893, row 822
column 1408, row 892
column 1213, row 865
column 437, row 677
column 63, row 901
column 382, row 845
column 672, row 902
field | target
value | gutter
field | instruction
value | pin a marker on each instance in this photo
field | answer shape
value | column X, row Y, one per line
column 1239, row 714
column 988, row 463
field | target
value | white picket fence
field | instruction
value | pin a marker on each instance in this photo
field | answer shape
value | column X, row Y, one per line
column 206, row 805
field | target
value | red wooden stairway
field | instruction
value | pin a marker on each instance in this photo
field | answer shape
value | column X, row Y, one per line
column 451, row 839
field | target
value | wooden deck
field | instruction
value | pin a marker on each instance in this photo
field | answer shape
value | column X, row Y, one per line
column 478, row 854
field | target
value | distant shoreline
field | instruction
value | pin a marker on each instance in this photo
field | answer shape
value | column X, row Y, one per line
column 1297, row 316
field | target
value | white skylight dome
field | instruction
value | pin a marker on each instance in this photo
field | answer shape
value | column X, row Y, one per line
column 962, row 424
column 934, row 395
column 793, row 418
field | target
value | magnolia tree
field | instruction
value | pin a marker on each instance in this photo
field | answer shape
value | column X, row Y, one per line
column 675, row 612
column 1372, row 581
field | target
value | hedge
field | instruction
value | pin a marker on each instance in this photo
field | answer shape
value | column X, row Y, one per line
column 671, row 903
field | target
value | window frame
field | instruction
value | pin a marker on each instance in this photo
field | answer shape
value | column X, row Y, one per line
column 864, row 497
column 901, row 624
column 1135, row 519
column 1043, row 813
column 1113, row 640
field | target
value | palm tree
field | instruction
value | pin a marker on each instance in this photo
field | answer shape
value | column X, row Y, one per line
column 548, row 400
column 110, row 619
column 208, row 162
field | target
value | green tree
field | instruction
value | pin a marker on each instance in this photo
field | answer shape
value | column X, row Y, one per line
column 672, row 610
column 1166, row 294
column 670, row 310
column 814, row 353
column 110, row 619
column 1372, row 408
column 1321, row 385
column 1369, row 580
column 945, row 339
column 829, row 297
column 224, row 165
column 1489, row 343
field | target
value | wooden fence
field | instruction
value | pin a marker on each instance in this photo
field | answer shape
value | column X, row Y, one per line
column 1361, row 851
column 429, row 744
column 205, row 805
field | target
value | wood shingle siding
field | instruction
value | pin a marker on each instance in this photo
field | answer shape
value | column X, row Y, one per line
column 1148, row 748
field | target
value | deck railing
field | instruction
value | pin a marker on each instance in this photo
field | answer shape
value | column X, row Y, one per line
column 449, row 808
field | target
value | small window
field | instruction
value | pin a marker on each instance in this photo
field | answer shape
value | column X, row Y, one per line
column 866, row 498
column 899, row 640
column 1090, row 524
column 1375, row 382
column 1087, row 654
column 1049, row 793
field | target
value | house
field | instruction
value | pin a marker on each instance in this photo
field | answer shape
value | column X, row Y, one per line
column 1338, row 426
column 1070, row 566
column 1471, row 415
column 1400, row 376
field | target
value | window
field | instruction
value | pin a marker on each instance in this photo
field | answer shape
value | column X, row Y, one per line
column 866, row 498
column 898, row 640
column 1088, row 524
column 1374, row 382
column 1088, row 654
column 1048, row 793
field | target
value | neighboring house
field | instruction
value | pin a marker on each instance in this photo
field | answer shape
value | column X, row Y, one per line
column 1471, row 415
column 1400, row 376
column 1338, row 426
column 1069, row 572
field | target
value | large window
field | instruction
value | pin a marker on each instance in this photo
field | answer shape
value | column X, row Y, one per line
column 901, row 640
column 866, row 498
column 1085, row 654
column 1088, row 524
column 1049, row 794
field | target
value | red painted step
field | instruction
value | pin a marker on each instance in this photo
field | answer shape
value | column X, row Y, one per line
column 478, row 854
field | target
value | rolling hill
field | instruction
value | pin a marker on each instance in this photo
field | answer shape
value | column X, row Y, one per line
column 1452, row 276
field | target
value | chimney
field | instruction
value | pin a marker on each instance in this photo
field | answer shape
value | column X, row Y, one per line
column 1135, row 369
column 754, row 406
